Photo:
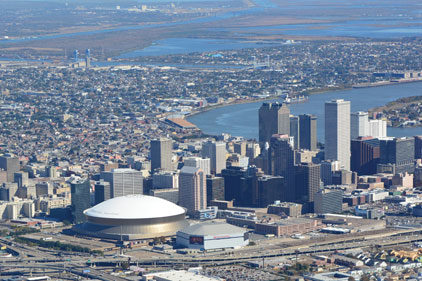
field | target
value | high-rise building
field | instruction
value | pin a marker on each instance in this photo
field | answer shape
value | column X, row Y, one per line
column 359, row 125
column 21, row 178
column 240, row 148
column 281, row 161
column 10, row 165
column 270, row 189
column 161, row 154
column 8, row 190
column 365, row 154
column 295, row 130
column 307, row 180
column 192, row 189
column 203, row 163
column 418, row 147
column 80, row 198
column 327, row 169
column 123, row 182
column 337, row 132
column 215, row 188
column 240, row 185
column 308, row 132
column 216, row 152
column 274, row 118
column 328, row 201
column 397, row 155
column 252, row 150
column 377, row 128
column 102, row 191
column 165, row 179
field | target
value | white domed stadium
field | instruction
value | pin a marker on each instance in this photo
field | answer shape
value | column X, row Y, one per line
column 133, row 217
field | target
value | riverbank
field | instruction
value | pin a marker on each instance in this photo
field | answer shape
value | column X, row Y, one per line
column 242, row 119
column 323, row 90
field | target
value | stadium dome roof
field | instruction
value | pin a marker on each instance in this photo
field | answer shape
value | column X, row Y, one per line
column 135, row 207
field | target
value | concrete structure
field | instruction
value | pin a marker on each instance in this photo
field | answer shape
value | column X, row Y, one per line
column 192, row 189
column 328, row 201
column 337, row 132
column 177, row 275
column 10, row 164
column 80, row 195
column 165, row 179
column 161, row 154
column 203, row 163
column 295, row 130
column 281, row 161
column 285, row 209
column 274, row 118
column 102, row 191
column 211, row 235
column 327, row 169
column 216, row 152
column 365, row 154
column 215, row 188
column 397, row 155
column 307, row 182
column 287, row 226
column 133, row 217
column 123, row 182
column 377, row 128
column 308, row 132
column 359, row 125
column 169, row 194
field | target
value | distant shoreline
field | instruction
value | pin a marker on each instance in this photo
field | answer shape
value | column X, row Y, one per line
column 314, row 92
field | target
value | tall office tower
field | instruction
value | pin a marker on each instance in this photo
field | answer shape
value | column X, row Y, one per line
column 21, row 178
column 337, row 132
column 365, row 154
column 377, row 128
column 359, row 125
column 270, row 189
column 203, row 163
column 240, row 148
column 217, row 153
column 80, row 198
column 397, row 155
column 240, row 185
column 295, row 130
column 418, row 147
column 165, row 179
column 327, row 169
column 252, row 150
column 281, row 161
column 10, row 165
column 87, row 58
column 161, row 154
column 215, row 188
column 307, row 180
column 102, row 191
column 124, row 182
column 7, row 191
column 192, row 189
column 274, row 118
column 328, row 201
column 51, row 172
column 308, row 131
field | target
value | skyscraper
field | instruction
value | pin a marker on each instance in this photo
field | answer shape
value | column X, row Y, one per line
column 192, row 189
column 80, row 198
column 418, row 147
column 102, row 191
column 123, row 182
column 161, row 154
column 274, row 118
column 215, row 188
column 307, row 181
column 397, row 155
column 377, row 128
column 359, row 125
column 203, row 163
column 295, row 130
column 337, row 132
column 217, row 152
column 365, row 154
column 281, row 161
column 308, row 132
column 11, row 165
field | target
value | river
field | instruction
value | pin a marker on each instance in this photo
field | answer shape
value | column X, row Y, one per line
column 242, row 119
